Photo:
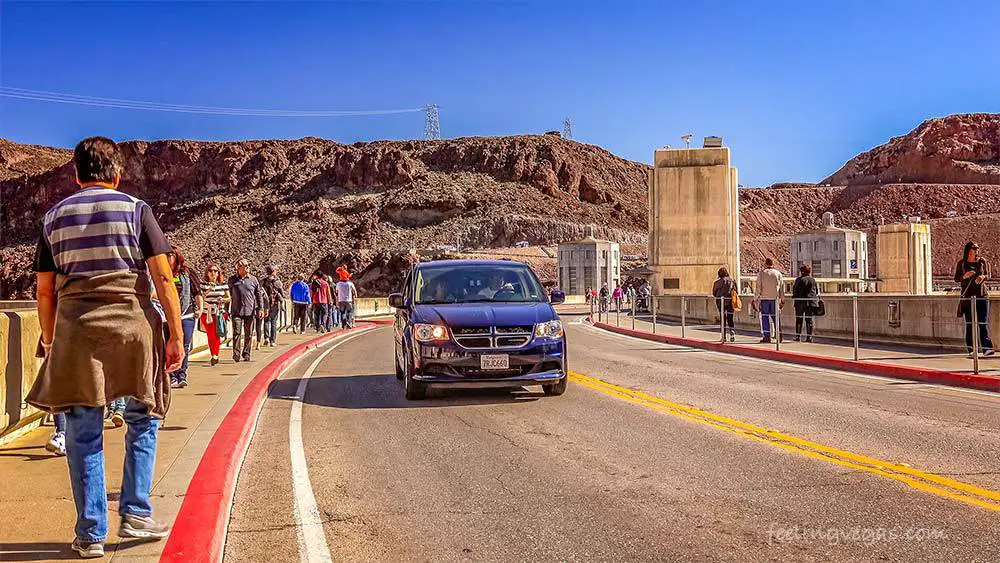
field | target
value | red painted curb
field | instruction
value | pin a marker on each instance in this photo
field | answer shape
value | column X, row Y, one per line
column 199, row 530
column 910, row 373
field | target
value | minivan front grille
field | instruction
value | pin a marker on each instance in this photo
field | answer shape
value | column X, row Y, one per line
column 482, row 338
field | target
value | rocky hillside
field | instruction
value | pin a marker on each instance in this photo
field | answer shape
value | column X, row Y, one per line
column 313, row 202
column 947, row 171
column 958, row 149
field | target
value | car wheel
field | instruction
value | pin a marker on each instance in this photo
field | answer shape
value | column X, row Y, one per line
column 414, row 389
column 556, row 388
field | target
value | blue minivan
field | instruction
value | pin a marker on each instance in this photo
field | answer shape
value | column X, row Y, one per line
column 476, row 324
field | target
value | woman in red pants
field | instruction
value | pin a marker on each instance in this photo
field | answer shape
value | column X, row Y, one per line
column 215, row 293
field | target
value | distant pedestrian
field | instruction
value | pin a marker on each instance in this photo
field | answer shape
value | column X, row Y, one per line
column 102, row 340
column 300, row 304
column 723, row 290
column 805, row 297
column 971, row 272
column 605, row 297
column 630, row 296
column 274, row 297
column 215, row 299
column 189, row 292
column 618, row 295
column 332, row 312
column 245, row 308
column 346, row 296
column 320, row 295
column 116, row 412
column 587, row 294
column 769, row 295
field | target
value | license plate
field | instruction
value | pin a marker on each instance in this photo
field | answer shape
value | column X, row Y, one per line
column 494, row 361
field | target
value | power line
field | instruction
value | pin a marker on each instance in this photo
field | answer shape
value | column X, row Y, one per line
column 63, row 98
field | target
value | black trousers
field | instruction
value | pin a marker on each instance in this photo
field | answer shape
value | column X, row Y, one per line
column 983, row 320
column 299, row 316
column 727, row 315
column 242, row 335
column 803, row 313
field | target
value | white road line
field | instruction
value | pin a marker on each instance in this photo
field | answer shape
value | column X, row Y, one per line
column 828, row 371
column 308, row 519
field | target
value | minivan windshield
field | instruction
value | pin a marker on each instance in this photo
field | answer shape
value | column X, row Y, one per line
column 477, row 283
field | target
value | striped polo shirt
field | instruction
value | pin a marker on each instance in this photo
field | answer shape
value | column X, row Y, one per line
column 99, row 230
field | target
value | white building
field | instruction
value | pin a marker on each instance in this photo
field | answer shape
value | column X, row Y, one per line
column 588, row 262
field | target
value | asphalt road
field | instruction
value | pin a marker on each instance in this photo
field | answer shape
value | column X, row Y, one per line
column 719, row 458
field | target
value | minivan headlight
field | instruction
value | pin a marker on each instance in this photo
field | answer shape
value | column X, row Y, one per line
column 429, row 332
column 550, row 329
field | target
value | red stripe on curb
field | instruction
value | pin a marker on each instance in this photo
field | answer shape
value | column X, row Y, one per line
column 199, row 530
column 910, row 373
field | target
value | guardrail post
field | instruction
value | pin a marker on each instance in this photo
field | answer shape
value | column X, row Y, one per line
column 722, row 319
column 633, row 313
column 975, row 336
column 652, row 300
column 683, row 315
column 854, row 305
column 777, row 324
column 592, row 309
column 618, row 312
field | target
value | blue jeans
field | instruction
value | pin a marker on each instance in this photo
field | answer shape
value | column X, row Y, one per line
column 59, row 420
column 346, row 313
column 187, row 325
column 332, row 316
column 767, row 310
column 319, row 316
column 85, row 454
column 271, row 327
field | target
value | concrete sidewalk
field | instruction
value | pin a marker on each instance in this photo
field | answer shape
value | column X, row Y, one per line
column 37, row 515
column 952, row 360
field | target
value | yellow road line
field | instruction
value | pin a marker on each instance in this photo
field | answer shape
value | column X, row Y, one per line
column 921, row 480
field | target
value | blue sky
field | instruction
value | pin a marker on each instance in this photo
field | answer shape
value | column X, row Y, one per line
column 795, row 88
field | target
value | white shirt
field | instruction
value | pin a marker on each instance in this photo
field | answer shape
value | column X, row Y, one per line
column 346, row 292
column 769, row 285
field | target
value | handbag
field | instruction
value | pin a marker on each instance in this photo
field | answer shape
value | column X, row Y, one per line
column 220, row 326
column 820, row 309
column 737, row 302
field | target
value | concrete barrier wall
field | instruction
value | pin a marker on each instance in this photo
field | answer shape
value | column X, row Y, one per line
column 922, row 320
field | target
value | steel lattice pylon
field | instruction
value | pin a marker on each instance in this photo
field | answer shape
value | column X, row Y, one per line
column 567, row 129
column 432, row 122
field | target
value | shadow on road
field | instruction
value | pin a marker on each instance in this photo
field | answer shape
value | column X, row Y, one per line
column 386, row 392
column 50, row 551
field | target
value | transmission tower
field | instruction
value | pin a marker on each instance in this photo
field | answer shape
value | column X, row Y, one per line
column 567, row 129
column 432, row 123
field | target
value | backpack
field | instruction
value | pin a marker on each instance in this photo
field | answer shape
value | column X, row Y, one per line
column 274, row 296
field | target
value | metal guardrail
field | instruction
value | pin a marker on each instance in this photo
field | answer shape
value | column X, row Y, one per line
column 601, row 310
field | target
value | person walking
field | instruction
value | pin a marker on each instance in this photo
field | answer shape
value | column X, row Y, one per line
column 274, row 296
column 722, row 290
column 101, row 339
column 189, row 292
column 215, row 299
column 320, row 295
column 805, row 297
column 971, row 272
column 618, row 295
column 332, row 312
column 769, row 296
column 246, row 306
column 347, row 293
column 300, row 304
column 605, row 297
column 630, row 296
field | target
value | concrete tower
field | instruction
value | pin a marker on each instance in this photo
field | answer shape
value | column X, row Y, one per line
column 903, row 253
column 694, row 218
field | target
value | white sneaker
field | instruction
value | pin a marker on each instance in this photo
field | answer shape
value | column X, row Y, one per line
column 57, row 443
column 142, row 527
column 989, row 353
column 88, row 550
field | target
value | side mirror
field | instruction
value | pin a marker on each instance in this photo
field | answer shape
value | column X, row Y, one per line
column 557, row 297
column 396, row 301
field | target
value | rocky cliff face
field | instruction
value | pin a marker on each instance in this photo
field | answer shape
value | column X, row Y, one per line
column 958, row 149
column 309, row 202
